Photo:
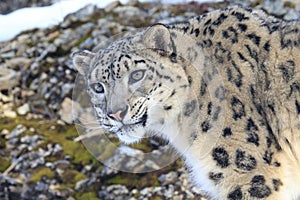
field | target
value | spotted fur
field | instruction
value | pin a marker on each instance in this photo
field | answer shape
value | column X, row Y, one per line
column 223, row 87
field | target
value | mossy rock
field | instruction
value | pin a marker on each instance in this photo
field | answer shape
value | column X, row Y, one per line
column 138, row 181
column 5, row 162
column 62, row 134
column 72, row 176
column 87, row 196
column 42, row 172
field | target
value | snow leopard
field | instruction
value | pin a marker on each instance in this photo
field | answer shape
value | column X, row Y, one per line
column 223, row 88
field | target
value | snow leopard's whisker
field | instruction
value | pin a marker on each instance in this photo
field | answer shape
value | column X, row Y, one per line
column 88, row 126
column 88, row 135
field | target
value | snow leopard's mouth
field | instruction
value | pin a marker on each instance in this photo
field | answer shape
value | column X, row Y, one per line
column 130, row 127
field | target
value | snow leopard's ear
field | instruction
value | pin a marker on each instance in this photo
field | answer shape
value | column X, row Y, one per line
column 158, row 38
column 82, row 60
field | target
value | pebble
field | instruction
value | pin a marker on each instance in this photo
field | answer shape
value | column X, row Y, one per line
column 166, row 179
column 8, row 78
column 24, row 109
column 4, row 132
column 66, row 111
column 274, row 7
column 22, row 62
column 6, row 98
column 9, row 54
column 80, row 184
column 117, row 189
column 19, row 129
column 146, row 191
column 41, row 186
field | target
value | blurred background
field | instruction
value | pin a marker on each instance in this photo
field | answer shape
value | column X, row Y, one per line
column 39, row 158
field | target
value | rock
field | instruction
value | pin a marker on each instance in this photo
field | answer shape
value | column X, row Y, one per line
column 275, row 7
column 19, row 129
column 7, row 6
column 195, row 190
column 41, row 196
column 53, row 80
column 292, row 15
column 61, row 166
column 134, row 191
column 40, row 161
column 158, row 190
column 131, row 14
column 111, row 6
column 66, row 89
column 21, row 147
column 82, row 15
column 88, row 167
column 6, row 98
column 41, row 186
column 24, row 109
column 108, row 171
column 80, row 184
column 34, row 68
column 9, row 54
column 117, row 189
column 128, row 151
column 152, row 165
column 56, row 149
column 31, row 129
column 146, row 191
column 66, row 111
column 169, row 192
column 10, row 114
column 4, row 132
column 166, row 179
column 21, row 62
column 8, row 78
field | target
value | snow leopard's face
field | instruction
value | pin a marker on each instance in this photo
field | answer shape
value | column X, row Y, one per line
column 132, row 94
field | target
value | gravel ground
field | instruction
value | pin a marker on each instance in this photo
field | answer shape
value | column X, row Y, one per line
column 39, row 159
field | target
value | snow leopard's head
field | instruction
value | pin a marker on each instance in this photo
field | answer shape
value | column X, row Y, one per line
column 135, row 83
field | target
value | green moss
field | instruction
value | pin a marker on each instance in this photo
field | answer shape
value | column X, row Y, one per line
column 7, row 123
column 2, row 143
column 4, row 163
column 79, row 156
column 289, row 4
column 62, row 135
column 79, row 177
column 157, row 198
column 72, row 176
column 134, row 180
column 143, row 146
column 63, row 187
column 51, row 159
column 120, row 179
column 141, row 181
column 42, row 172
column 87, row 196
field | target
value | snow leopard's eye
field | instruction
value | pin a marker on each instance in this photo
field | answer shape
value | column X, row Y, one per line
column 97, row 88
column 136, row 76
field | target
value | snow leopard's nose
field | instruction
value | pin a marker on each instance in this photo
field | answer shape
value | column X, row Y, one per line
column 119, row 115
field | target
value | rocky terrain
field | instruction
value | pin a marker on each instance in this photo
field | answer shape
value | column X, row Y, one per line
column 39, row 158
column 7, row 6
